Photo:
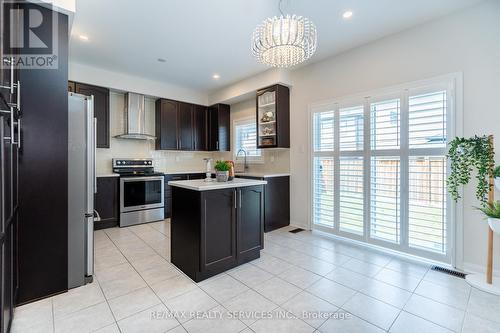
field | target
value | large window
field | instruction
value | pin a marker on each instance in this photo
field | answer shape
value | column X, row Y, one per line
column 379, row 169
column 245, row 137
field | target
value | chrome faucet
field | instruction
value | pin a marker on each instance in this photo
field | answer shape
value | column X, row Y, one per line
column 245, row 164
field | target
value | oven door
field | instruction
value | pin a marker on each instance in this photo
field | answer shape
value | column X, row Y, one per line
column 139, row 193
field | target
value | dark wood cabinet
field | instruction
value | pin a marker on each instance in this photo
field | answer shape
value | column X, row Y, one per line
column 174, row 125
column 107, row 202
column 43, row 173
column 101, row 109
column 168, row 188
column 190, row 127
column 213, row 231
column 273, row 117
column 200, row 128
column 276, row 202
column 166, row 119
column 219, row 128
column 218, row 231
column 250, row 234
column 186, row 126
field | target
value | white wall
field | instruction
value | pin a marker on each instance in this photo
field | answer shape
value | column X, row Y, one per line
column 467, row 42
column 124, row 82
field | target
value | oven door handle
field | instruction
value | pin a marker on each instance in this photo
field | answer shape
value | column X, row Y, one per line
column 133, row 179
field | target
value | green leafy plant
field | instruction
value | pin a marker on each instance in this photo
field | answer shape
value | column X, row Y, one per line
column 465, row 155
column 222, row 166
column 492, row 210
column 496, row 172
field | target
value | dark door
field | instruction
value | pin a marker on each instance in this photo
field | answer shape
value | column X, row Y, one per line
column 277, row 203
column 250, row 226
column 43, row 174
column 101, row 110
column 218, row 229
column 166, row 125
column 200, row 127
column 168, row 192
column 186, row 126
column 106, row 202
column 224, row 129
column 213, row 128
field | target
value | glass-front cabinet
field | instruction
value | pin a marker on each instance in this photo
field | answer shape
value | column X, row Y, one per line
column 273, row 117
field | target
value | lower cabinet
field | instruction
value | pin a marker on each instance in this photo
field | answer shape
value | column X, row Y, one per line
column 218, row 230
column 214, row 231
column 168, row 190
column 250, row 234
column 276, row 202
column 107, row 202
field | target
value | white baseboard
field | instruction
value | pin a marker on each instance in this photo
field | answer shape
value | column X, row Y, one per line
column 298, row 224
column 474, row 268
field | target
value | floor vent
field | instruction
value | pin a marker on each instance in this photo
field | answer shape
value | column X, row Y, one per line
column 294, row 231
column 448, row 271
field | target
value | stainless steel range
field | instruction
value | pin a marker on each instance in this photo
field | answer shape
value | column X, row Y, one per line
column 141, row 191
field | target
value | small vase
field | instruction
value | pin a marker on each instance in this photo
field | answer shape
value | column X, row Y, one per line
column 497, row 183
column 494, row 225
column 222, row 176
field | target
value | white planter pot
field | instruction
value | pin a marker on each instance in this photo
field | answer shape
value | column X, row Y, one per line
column 222, row 176
column 497, row 183
column 494, row 225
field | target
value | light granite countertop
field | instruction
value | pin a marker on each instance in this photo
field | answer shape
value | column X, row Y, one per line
column 202, row 185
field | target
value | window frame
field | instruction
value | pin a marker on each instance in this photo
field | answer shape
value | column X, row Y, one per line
column 250, row 159
column 453, row 84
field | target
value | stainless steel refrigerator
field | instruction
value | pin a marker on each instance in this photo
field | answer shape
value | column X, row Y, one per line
column 81, row 189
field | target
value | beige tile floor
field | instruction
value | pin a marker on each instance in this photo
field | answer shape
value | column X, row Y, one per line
column 302, row 283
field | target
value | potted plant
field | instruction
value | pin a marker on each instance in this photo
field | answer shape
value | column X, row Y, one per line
column 496, row 174
column 222, row 170
column 492, row 212
column 467, row 155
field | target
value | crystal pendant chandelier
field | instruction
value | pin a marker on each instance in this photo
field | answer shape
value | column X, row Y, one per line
column 284, row 41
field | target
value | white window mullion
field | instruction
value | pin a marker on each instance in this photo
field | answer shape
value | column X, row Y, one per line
column 404, row 162
column 367, row 168
column 336, row 168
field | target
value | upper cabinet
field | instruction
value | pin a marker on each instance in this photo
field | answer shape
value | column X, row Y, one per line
column 101, row 108
column 219, row 128
column 200, row 127
column 273, row 117
column 175, row 124
column 190, row 127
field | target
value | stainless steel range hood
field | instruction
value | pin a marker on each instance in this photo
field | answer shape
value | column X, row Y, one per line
column 135, row 118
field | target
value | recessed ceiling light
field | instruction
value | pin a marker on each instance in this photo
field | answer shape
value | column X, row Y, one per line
column 216, row 76
column 84, row 38
column 162, row 60
column 347, row 14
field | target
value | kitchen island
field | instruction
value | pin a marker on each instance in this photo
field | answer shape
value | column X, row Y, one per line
column 216, row 226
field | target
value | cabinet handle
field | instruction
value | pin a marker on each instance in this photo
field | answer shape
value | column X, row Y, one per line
column 239, row 191
column 235, row 199
column 217, row 145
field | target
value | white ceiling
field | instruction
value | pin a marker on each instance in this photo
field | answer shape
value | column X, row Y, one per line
column 201, row 37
